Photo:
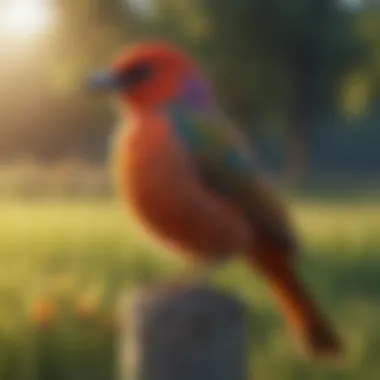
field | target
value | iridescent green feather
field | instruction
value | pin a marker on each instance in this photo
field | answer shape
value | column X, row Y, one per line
column 227, row 165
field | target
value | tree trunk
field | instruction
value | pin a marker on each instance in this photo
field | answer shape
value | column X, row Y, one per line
column 297, row 139
column 296, row 155
column 305, row 64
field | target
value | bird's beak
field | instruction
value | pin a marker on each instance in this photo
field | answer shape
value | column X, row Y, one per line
column 104, row 81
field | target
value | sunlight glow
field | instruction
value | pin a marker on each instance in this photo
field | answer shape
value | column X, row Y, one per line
column 25, row 17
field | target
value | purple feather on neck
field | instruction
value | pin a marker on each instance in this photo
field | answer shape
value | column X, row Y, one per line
column 197, row 94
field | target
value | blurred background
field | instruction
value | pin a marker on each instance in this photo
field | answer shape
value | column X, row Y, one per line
column 301, row 77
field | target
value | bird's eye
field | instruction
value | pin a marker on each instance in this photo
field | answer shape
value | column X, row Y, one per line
column 136, row 75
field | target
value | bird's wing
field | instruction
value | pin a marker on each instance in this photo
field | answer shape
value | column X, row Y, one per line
column 227, row 165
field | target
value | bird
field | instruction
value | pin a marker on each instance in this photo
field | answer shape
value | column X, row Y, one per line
column 192, row 179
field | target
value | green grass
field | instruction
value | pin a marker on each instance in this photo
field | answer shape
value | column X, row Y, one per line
column 88, row 253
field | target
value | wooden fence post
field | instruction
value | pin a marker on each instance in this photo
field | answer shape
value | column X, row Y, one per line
column 186, row 333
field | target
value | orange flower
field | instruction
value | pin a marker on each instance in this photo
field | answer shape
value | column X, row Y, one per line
column 44, row 312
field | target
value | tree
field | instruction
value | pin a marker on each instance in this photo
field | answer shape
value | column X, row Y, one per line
column 324, row 53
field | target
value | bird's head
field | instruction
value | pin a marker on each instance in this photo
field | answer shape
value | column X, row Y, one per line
column 153, row 74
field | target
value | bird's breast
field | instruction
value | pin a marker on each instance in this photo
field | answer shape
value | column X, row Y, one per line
column 159, row 180
column 155, row 170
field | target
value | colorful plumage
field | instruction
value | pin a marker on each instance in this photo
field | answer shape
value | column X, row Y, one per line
column 192, row 179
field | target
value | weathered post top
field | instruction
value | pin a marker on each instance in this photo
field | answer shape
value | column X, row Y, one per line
column 187, row 333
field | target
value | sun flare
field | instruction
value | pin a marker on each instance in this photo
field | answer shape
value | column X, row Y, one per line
column 25, row 17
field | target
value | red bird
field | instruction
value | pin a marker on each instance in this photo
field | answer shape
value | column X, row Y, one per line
column 192, row 179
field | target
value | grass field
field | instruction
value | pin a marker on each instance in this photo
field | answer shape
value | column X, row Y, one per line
column 65, row 263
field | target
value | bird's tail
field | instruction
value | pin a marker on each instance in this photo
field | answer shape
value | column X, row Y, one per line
column 306, row 321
